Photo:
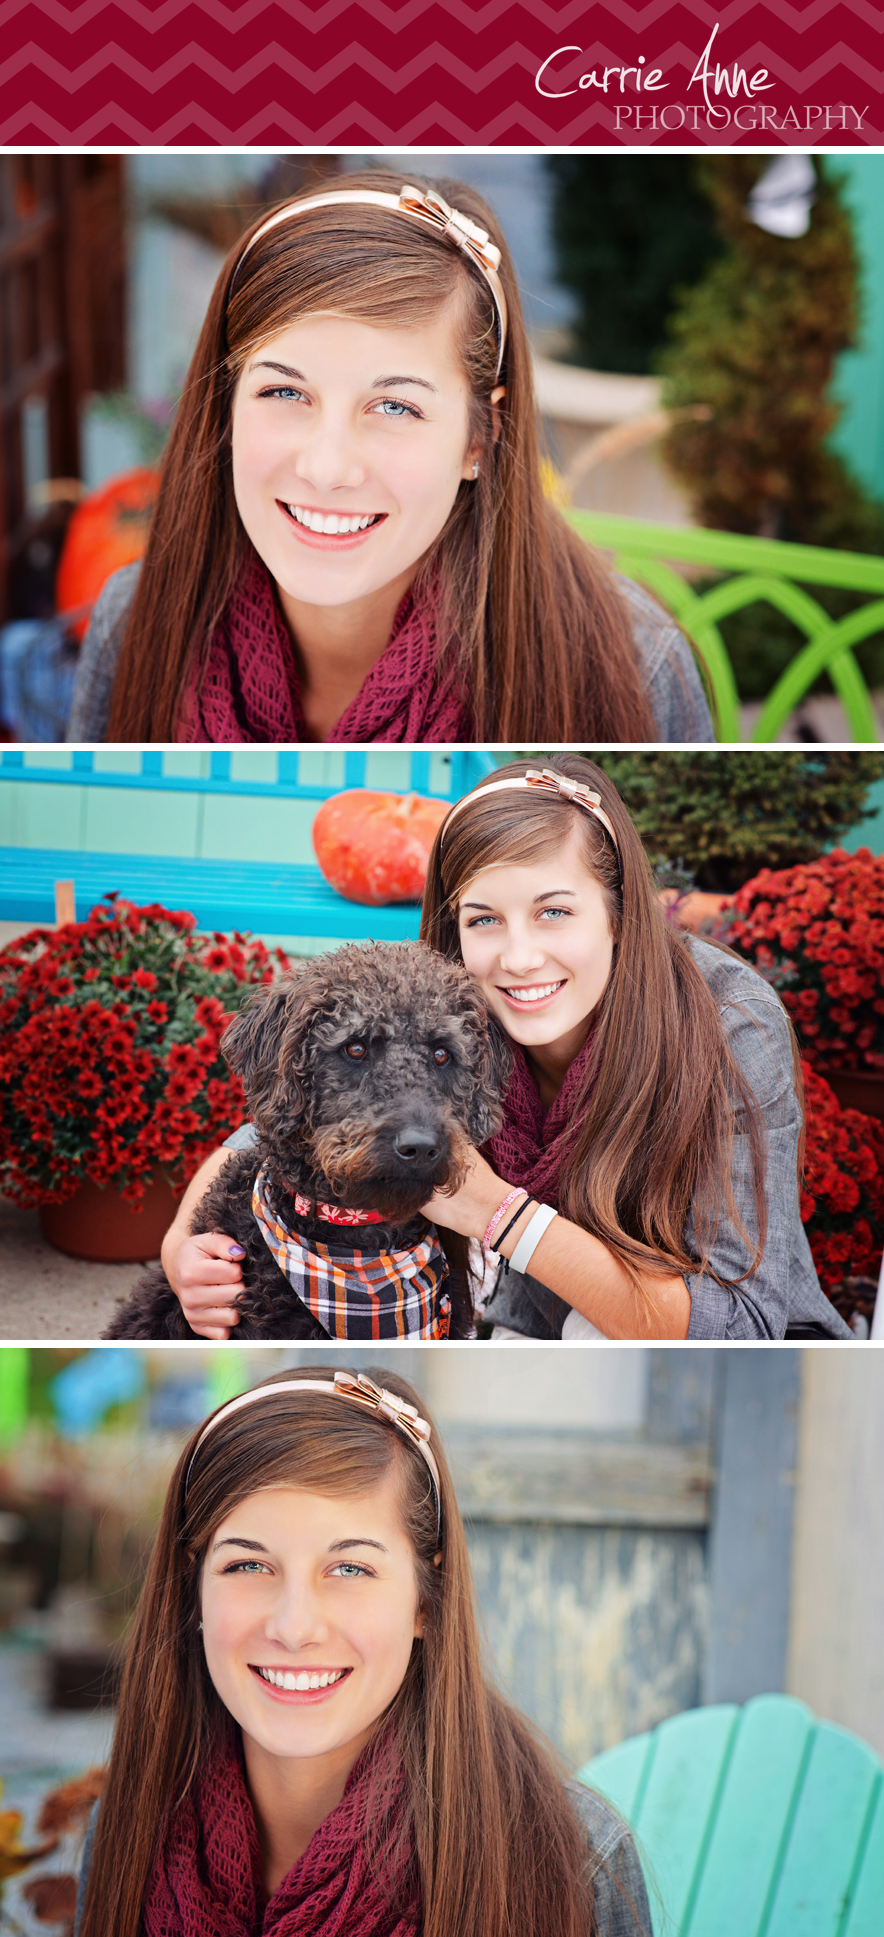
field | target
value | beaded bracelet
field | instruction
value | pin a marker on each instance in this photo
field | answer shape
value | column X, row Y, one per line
column 518, row 1212
column 495, row 1220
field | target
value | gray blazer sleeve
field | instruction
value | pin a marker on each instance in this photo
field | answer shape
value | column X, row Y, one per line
column 620, row 1899
column 100, row 651
column 85, row 1868
column 785, row 1289
column 675, row 689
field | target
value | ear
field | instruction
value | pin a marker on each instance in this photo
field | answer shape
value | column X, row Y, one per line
column 252, row 1044
column 497, row 397
column 492, row 1077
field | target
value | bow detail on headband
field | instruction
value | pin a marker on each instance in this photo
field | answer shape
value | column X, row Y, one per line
column 562, row 783
column 376, row 1398
column 449, row 221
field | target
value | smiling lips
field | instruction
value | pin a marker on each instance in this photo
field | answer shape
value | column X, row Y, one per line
column 301, row 1681
column 338, row 525
column 532, row 995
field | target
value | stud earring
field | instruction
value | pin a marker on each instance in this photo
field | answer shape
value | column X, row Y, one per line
column 475, row 467
column 200, row 1628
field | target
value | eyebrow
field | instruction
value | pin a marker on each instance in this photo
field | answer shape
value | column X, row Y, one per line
column 380, row 383
column 551, row 894
column 255, row 1546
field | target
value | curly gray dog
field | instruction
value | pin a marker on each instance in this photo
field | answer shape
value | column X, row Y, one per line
column 368, row 1072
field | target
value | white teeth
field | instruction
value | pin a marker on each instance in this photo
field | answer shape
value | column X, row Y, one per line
column 286, row 1678
column 331, row 524
column 534, row 993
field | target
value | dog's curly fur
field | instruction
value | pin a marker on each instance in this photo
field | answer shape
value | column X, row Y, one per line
column 368, row 1073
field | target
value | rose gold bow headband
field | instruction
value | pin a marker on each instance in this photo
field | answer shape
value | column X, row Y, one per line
column 345, row 1385
column 424, row 206
column 550, row 783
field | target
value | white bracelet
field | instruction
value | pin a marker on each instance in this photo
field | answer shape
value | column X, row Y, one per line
column 531, row 1237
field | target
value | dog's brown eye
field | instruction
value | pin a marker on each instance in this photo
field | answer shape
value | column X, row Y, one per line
column 357, row 1051
column 441, row 1055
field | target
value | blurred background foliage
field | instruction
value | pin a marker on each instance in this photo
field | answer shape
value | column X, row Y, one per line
column 671, row 275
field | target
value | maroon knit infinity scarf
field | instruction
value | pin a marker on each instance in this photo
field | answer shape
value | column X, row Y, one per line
column 206, row 1878
column 248, row 689
column 533, row 1145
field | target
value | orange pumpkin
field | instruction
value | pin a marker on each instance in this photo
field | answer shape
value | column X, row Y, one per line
column 108, row 529
column 374, row 848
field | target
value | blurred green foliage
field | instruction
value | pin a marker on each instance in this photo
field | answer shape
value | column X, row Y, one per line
column 727, row 815
column 628, row 230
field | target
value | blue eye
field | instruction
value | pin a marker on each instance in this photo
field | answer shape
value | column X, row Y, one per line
column 284, row 390
column 350, row 1570
column 394, row 407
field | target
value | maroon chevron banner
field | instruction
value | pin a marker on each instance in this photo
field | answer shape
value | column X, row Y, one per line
column 366, row 73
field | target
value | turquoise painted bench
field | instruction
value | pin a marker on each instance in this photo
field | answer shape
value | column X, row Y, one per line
column 752, row 570
column 753, row 1822
column 224, row 890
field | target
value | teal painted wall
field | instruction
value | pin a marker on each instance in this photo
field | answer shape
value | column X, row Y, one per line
column 859, row 378
column 871, row 833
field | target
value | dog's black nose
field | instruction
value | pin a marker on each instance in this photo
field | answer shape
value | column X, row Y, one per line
column 413, row 1144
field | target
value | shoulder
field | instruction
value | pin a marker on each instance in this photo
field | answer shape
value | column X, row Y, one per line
column 753, row 1020
column 620, row 1902
column 731, row 980
column 675, row 689
column 99, row 654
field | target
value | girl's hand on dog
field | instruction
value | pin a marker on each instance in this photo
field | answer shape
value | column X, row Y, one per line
column 469, row 1210
column 205, row 1275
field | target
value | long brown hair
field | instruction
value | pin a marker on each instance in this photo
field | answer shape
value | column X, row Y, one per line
column 654, row 1130
column 498, row 1846
column 543, row 636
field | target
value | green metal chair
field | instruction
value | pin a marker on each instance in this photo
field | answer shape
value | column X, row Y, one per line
column 753, row 1822
column 756, row 569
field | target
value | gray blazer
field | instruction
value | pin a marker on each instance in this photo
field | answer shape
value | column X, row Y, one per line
column 785, row 1289
column 670, row 671
column 620, row 1900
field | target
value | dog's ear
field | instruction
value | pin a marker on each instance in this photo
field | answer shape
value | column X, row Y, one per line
column 492, row 1076
column 252, row 1045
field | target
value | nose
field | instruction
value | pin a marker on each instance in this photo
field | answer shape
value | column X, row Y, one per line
column 295, row 1618
column 521, row 951
column 414, row 1145
column 329, row 457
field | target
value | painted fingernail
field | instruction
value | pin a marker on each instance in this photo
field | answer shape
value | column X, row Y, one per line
column 236, row 1251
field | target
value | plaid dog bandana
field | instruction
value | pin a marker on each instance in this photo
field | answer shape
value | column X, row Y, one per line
column 360, row 1294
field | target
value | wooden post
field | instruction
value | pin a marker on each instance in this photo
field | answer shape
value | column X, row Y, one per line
column 65, row 904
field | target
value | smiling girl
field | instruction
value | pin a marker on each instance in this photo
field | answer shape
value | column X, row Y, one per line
column 306, row 1742
column 351, row 540
column 647, row 1166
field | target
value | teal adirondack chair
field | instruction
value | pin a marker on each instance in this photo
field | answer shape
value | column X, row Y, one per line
column 753, row 1822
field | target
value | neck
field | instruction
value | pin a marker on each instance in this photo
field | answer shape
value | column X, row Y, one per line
column 291, row 1796
column 336, row 646
column 549, row 1063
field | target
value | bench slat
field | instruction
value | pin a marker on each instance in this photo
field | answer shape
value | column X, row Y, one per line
column 618, row 1773
column 264, row 897
column 743, row 1857
column 839, row 1787
column 679, row 1804
column 866, row 1914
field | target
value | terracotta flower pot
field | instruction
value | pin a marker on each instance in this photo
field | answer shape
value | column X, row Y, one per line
column 857, row 1089
column 95, row 1223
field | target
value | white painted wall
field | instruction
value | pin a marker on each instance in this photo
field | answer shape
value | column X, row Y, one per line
column 836, row 1635
column 582, row 1388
